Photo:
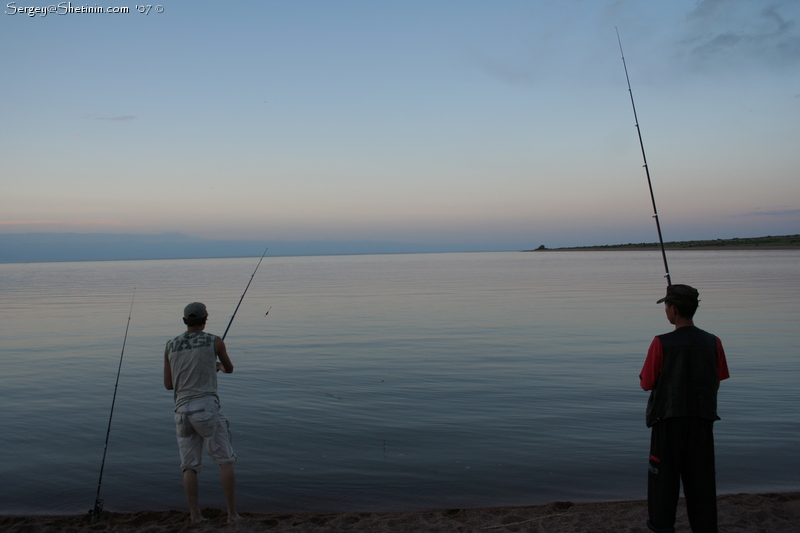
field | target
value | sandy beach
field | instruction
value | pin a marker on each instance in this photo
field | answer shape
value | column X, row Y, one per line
column 740, row 513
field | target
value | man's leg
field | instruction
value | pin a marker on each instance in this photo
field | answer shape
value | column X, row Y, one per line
column 699, row 483
column 190, row 446
column 663, row 482
column 228, row 477
column 191, row 490
column 217, row 438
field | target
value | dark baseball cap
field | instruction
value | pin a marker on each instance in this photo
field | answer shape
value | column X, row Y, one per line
column 680, row 294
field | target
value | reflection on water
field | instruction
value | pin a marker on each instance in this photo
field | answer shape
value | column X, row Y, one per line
column 388, row 382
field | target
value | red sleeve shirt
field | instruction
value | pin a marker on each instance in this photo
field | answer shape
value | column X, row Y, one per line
column 655, row 358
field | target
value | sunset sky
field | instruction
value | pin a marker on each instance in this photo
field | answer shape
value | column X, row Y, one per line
column 465, row 122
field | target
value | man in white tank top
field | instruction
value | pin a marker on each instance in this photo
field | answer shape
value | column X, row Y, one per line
column 191, row 363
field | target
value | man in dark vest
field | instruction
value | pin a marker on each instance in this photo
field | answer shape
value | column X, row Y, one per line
column 682, row 370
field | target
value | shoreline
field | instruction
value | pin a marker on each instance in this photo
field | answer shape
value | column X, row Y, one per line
column 769, row 242
column 657, row 249
column 744, row 513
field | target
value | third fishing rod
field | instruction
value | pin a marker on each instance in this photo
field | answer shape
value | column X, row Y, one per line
column 646, row 168
column 98, row 502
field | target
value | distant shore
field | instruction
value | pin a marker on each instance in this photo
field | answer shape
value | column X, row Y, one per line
column 782, row 242
column 656, row 248
column 745, row 513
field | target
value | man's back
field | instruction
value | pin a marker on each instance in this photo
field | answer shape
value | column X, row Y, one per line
column 688, row 383
column 193, row 359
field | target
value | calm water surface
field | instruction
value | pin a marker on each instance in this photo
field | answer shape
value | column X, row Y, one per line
column 388, row 382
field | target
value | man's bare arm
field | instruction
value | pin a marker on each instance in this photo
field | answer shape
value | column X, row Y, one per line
column 167, row 372
column 225, row 363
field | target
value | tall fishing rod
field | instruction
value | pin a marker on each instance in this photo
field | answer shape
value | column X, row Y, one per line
column 644, row 159
column 245, row 292
column 98, row 503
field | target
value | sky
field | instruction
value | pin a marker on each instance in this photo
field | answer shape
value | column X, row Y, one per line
column 458, row 122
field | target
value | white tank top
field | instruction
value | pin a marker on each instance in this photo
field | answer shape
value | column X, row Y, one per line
column 193, row 361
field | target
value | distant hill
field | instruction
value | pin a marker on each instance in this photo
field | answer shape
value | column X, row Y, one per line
column 42, row 247
column 778, row 242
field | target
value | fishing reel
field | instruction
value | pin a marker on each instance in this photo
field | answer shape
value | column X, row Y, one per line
column 95, row 513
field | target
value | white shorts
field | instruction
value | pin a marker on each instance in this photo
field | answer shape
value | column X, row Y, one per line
column 198, row 423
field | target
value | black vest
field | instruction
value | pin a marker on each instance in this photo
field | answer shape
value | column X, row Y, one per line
column 688, row 383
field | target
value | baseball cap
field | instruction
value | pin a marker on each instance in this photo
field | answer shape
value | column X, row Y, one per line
column 680, row 294
column 195, row 310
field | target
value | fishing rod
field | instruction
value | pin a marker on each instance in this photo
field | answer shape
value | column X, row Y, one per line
column 98, row 503
column 646, row 168
column 245, row 292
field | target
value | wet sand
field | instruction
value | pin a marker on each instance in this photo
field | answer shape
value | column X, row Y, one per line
column 739, row 513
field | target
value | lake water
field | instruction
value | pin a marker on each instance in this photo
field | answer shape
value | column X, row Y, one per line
column 388, row 382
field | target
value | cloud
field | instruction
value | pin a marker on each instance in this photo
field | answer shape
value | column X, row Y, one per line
column 778, row 213
column 92, row 222
column 771, row 13
column 706, row 9
column 504, row 71
column 117, row 119
column 737, row 31
column 717, row 45
column 25, row 222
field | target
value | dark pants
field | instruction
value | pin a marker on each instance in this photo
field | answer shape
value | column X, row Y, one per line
column 682, row 449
